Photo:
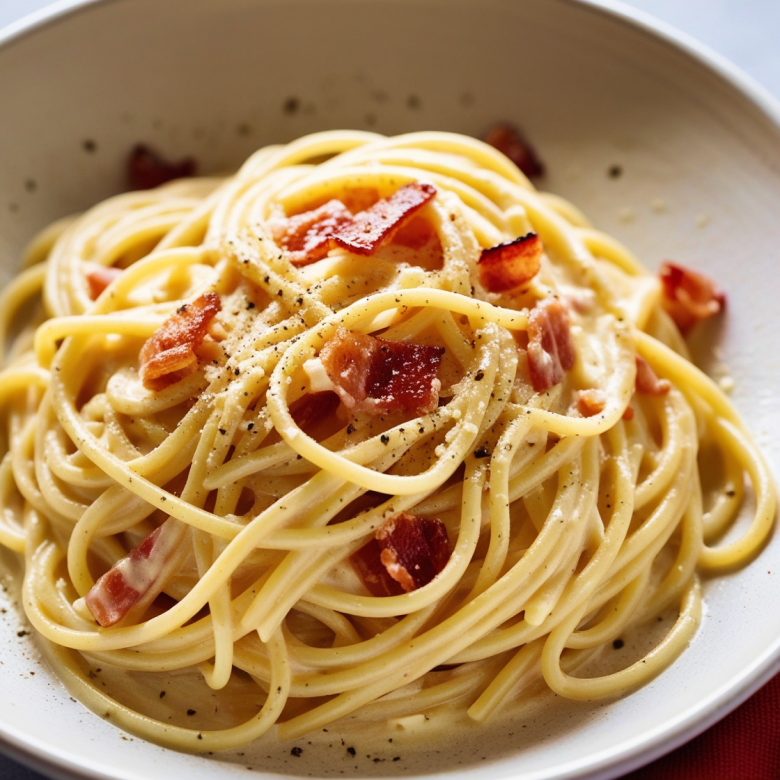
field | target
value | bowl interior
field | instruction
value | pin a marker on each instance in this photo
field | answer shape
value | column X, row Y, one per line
column 663, row 151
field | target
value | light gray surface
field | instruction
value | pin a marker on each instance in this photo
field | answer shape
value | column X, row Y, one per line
column 744, row 31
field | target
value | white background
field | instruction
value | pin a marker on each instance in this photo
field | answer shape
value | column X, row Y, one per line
column 745, row 31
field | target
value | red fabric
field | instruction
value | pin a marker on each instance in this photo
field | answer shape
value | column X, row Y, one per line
column 745, row 745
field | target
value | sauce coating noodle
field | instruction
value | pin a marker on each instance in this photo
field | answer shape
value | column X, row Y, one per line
column 575, row 506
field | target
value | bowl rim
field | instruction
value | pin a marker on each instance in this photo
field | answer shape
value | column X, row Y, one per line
column 38, row 755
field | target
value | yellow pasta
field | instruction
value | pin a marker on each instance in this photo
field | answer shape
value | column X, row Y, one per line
column 569, row 524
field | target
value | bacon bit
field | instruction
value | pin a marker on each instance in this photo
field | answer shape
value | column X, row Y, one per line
column 371, row 229
column 510, row 266
column 307, row 237
column 406, row 553
column 591, row 402
column 146, row 169
column 359, row 198
column 628, row 413
column 378, row 376
column 169, row 355
column 509, row 141
column 550, row 347
column 313, row 408
column 130, row 579
column 689, row 296
column 647, row 381
column 99, row 278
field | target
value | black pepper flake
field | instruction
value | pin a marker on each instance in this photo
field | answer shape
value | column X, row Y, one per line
column 222, row 431
column 350, row 429
column 731, row 493
column 250, row 426
column 397, row 758
column 162, row 694
column 482, row 452
column 250, row 305
column 291, row 105
column 615, row 171
column 384, row 439
column 280, row 293
column 22, row 633
column 237, row 372
column 296, row 751
column 200, row 736
column 351, row 751
column 618, row 644
column 190, row 712
column 89, row 146
column 479, row 376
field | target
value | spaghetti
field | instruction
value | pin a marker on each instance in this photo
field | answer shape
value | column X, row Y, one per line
column 370, row 427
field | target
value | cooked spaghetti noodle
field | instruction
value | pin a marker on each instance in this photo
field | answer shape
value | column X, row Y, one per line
column 572, row 506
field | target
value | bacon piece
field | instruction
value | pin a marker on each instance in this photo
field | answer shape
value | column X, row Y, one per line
column 510, row 266
column 146, row 169
column 373, row 228
column 689, row 296
column 378, row 376
column 132, row 578
column 307, row 237
column 169, row 355
column 591, row 402
column 406, row 553
column 99, row 277
column 509, row 141
column 313, row 408
column 550, row 347
column 628, row 413
column 647, row 381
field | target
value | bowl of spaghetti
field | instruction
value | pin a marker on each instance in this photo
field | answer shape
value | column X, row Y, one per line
column 381, row 415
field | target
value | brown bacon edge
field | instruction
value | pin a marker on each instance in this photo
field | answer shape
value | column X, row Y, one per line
column 379, row 376
column 406, row 553
column 512, row 265
column 169, row 354
column 307, row 237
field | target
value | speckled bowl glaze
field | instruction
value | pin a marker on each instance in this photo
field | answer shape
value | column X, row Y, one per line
column 658, row 141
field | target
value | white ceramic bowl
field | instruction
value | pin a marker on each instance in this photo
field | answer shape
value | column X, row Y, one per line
column 699, row 149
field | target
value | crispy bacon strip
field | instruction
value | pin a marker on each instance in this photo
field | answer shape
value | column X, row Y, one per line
column 131, row 579
column 307, row 237
column 591, row 402
column 146, row 169
column 406, row 553
column 550, row 347
column 169, row 355
column 371, row 229
column 510, row 266
column 99, row 278
column 689, row 296
column 509, row 141
column 379, row 376
column 647, row 381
